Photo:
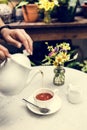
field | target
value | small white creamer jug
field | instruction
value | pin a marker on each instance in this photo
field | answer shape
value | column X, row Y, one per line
column 74, row 93
column 15, row 74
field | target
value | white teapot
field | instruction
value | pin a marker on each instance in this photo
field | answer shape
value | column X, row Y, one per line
column 15, row 74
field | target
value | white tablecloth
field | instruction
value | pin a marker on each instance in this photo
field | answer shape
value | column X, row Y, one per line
column 14, row 115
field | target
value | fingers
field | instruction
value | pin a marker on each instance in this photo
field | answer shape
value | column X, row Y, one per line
column 13, row 41
column 25, row 39
column 4, row 52
column 10, row 35
column 2, row 56
column 28, row 43
column 18, row 37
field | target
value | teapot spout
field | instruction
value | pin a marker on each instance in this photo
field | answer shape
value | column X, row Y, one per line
column 33, row 74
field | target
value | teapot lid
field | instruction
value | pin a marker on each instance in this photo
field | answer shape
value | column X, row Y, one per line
column 21, row 59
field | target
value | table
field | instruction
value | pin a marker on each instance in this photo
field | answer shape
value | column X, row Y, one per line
column 14, row 115
column 40, row 31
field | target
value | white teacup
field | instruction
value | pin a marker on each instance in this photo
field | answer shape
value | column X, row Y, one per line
column 74, row 93
column 44, row 97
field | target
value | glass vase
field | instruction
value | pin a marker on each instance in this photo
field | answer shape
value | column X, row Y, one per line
column 59, row 77
column 47, row 17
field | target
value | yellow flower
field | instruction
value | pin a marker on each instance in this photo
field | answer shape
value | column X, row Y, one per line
column 65, row 46
column 50, row 48
column 59, row 59
column 59, row 54
column 65, row 56
column 55, row 63
column 46, row 5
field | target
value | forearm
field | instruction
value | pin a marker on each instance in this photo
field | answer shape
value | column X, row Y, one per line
column 3, row 27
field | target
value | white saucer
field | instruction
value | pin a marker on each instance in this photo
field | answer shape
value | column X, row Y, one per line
column 53, row 108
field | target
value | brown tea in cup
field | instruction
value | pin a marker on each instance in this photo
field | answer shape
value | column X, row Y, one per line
column 44, row 96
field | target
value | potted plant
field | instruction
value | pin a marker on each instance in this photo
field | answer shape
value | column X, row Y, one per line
column 29, row 10
column 66, row 10
column 47, row 6
column 57, row 56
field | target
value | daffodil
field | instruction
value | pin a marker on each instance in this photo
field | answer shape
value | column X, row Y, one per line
column 47, row 5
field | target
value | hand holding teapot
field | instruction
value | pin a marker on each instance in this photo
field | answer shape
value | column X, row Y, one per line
column 15, row 74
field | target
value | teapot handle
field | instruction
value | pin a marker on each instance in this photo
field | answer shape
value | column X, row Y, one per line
column 3, row 63
column 35, row 72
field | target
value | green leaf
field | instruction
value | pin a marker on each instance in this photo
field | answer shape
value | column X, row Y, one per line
column 22, row 3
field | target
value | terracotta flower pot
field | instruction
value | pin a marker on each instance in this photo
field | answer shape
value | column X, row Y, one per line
column 30, row 12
